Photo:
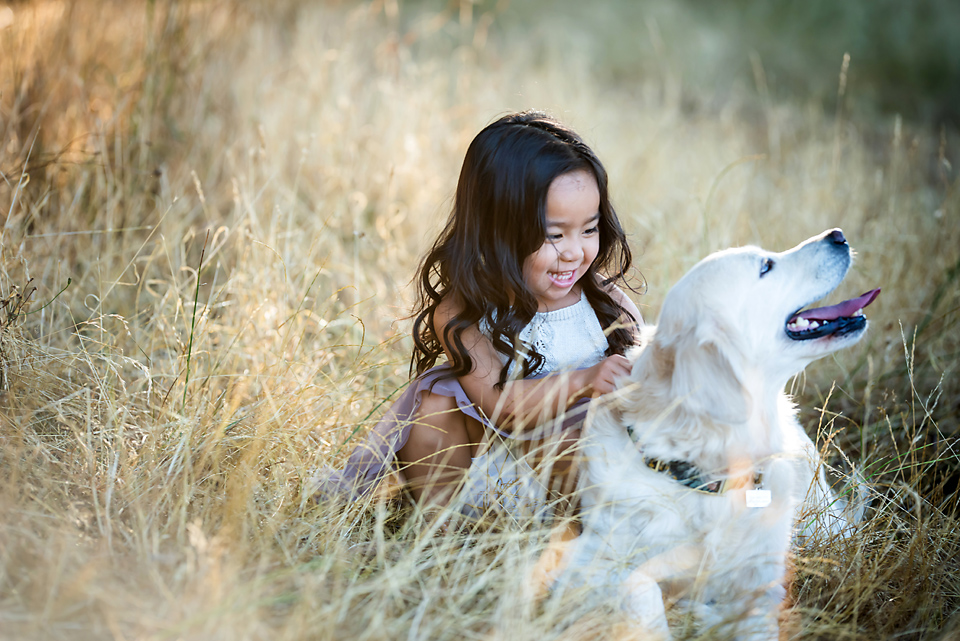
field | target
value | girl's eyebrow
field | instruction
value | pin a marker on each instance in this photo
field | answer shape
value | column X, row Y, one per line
column 564, row 224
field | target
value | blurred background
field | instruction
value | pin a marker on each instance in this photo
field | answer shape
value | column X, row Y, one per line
column 212, row 212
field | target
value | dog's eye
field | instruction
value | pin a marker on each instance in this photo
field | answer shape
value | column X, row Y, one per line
column 765, row 266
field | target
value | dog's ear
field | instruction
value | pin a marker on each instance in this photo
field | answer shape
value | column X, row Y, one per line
column 706, row 376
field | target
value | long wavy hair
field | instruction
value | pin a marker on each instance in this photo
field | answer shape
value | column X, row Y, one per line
column 498, row 219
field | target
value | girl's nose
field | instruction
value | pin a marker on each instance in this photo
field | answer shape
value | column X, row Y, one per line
column 571, row 251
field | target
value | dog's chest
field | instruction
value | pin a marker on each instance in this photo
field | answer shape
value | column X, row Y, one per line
column 639, row 513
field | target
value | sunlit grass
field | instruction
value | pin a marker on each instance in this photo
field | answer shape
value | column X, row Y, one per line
column 246, row 188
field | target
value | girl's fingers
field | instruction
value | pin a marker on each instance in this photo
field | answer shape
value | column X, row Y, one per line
column 606, row 372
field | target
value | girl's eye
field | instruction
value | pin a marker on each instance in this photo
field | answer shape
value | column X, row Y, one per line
column 554, row 237
column 765, row 266
column 591, row 231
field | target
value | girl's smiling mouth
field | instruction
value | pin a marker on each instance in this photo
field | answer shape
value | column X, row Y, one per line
column 563, row 279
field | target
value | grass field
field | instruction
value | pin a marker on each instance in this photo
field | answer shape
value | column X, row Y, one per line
column 211, row 215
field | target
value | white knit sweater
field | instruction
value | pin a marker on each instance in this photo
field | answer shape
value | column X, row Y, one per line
column 568, row 338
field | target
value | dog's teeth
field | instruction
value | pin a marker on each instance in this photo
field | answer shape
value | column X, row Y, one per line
column 814, row 324
column 859, row 312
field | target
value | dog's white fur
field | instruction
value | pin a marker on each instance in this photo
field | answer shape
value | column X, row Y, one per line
column 707, row 387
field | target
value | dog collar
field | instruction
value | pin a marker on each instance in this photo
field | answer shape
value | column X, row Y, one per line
column 689, row 475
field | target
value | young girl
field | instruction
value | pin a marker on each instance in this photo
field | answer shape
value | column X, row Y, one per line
column 518, row 294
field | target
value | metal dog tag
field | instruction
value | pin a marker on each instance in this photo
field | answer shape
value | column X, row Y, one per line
column 758, row 498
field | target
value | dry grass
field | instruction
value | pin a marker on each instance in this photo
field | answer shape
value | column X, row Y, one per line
column 232, row 198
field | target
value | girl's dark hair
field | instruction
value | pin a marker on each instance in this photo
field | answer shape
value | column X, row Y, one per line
column 498, row 219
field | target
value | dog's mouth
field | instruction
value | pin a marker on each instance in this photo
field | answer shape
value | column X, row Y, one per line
column 835, row 320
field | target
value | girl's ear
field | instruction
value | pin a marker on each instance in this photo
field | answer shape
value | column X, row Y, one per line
column 705, row 376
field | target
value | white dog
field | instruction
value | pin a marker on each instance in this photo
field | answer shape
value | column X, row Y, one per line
column 694, row 471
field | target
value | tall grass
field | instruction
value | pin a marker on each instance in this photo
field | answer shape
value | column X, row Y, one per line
column 220, row 206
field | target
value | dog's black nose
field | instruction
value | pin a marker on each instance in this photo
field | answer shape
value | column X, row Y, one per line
column 837, row 237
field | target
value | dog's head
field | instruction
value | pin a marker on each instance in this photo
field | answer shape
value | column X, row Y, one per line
column 736, row 317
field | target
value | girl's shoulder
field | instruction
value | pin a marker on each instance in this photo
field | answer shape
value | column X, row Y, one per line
column 624, row 301
column 447, row 310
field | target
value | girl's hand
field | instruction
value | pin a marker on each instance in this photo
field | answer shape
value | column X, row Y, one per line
column 599, row 379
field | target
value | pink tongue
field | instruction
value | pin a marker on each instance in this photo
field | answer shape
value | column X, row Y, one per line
column 846, row 308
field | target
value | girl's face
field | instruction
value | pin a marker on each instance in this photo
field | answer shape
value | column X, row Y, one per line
column 572, row 242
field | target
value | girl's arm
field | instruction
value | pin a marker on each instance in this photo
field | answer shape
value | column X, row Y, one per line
column 523, row 404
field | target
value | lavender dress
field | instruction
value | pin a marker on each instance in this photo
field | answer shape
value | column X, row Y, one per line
column 498, row 477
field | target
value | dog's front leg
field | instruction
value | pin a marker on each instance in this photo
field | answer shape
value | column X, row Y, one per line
column 763, row 625
column 643, row 597
column 643, row 601
column 759, row 622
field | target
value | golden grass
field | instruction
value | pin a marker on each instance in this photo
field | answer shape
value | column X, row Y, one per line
column 232, row 197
